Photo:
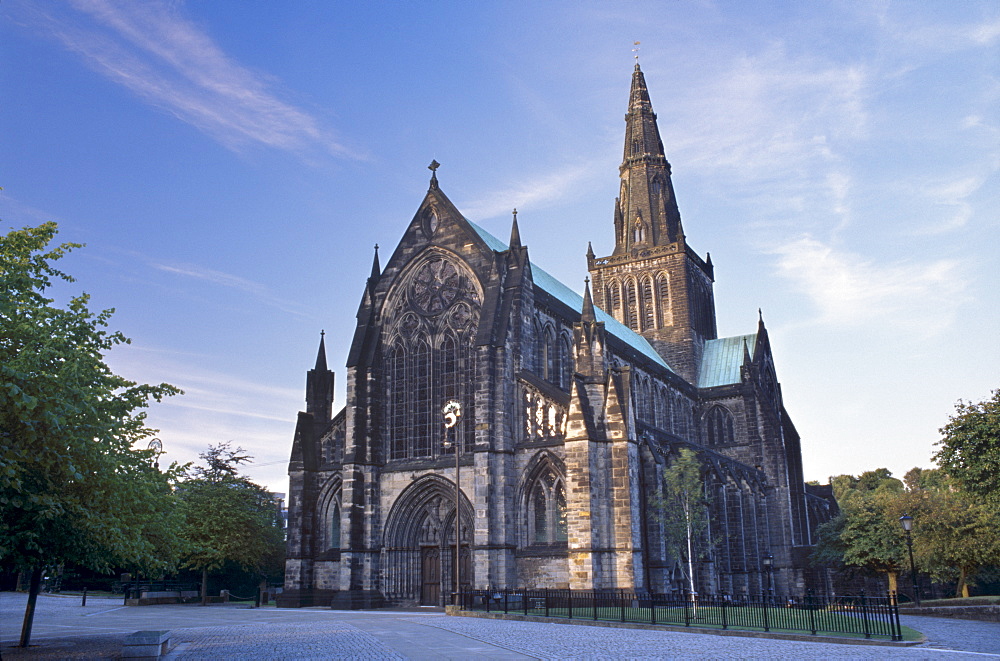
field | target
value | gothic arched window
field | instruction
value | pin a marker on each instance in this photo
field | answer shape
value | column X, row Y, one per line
column 546, row 353
column 720, row 426
column 615, row 299
column 638, row 232
column 630, row 317
column 429, row 359
column 566, row 362
column 547, row 509
column 646, row 300
column 663, row 294
column 334, row 527
column 551, row 356
column 660, row 409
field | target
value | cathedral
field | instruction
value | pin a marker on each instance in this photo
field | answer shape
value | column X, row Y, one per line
column 498, row 421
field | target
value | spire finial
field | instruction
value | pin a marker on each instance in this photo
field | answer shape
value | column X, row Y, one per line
column 635, row 49
column 433, row 167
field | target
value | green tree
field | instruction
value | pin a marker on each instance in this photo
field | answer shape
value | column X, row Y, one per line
column 227, row 517
column 684, row 512
column 954, row 532
column 73, row 488
column 970, row 447
column 866, row 534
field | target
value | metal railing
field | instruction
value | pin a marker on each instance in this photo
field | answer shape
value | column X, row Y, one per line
column 862, row 615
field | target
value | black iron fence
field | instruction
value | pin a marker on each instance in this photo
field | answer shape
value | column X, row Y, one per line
column 871, row 617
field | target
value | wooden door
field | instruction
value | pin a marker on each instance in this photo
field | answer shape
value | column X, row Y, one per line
column 430, row 577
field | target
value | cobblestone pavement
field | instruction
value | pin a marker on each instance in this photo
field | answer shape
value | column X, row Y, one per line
column 556, row 641
column 949, row 633
column 65, row 630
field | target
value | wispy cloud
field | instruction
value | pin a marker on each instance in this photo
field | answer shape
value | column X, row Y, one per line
column 847, row 289
column 952, row 196
column 216, row 406
column 771, row 131
column 770, row 113
column 938, row 37
column 170, row 62
column 535, row 192
column 261, row 292
column 13, row 212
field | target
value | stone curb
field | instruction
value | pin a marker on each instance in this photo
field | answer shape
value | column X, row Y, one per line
column 805, row 638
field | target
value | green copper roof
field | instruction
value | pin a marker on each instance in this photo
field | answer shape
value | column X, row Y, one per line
column 562, row 293
column 720, row 364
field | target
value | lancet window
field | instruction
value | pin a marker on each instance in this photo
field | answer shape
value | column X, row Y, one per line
column 648, row 308
column 334, row 527
column 614, row 299
column 546, row 508
column 631, row 317
column 720, row 427
column 566, row 362
column 663, row 294
column 639, row 231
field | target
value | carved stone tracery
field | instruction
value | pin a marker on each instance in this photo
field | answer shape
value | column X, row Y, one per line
column 544, row 418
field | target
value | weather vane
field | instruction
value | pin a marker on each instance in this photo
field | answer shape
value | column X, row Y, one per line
column 636, row 51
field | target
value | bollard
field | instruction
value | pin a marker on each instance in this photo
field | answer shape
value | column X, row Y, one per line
column 84, row 603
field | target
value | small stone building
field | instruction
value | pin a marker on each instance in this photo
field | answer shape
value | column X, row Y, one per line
column 572, row 408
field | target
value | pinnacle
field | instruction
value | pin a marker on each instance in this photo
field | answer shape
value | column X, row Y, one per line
column 321, row 354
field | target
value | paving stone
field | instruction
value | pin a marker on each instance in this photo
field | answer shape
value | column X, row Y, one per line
column 65, row 630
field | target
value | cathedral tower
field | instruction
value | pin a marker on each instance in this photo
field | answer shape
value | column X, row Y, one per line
column 653, row 282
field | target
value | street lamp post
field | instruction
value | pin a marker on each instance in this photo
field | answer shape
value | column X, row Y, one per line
column 768, row 561
column 452, row 411
column 907, row 521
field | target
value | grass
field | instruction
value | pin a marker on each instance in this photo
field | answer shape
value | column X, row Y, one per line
column 783, row 620
column 985, row 600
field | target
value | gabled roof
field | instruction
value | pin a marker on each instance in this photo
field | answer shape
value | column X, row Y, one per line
column 564, row 294
column 722, row 359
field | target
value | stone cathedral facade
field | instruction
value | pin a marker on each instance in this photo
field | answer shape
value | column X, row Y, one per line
column 572, row 409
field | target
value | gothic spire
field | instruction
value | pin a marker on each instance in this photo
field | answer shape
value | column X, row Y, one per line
column 642, row 134
column 647, row 212
column 321, row 355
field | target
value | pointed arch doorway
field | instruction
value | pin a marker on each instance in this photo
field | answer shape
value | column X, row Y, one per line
column 419, row 545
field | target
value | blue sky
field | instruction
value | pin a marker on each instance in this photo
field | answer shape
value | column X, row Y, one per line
column 231, row 164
